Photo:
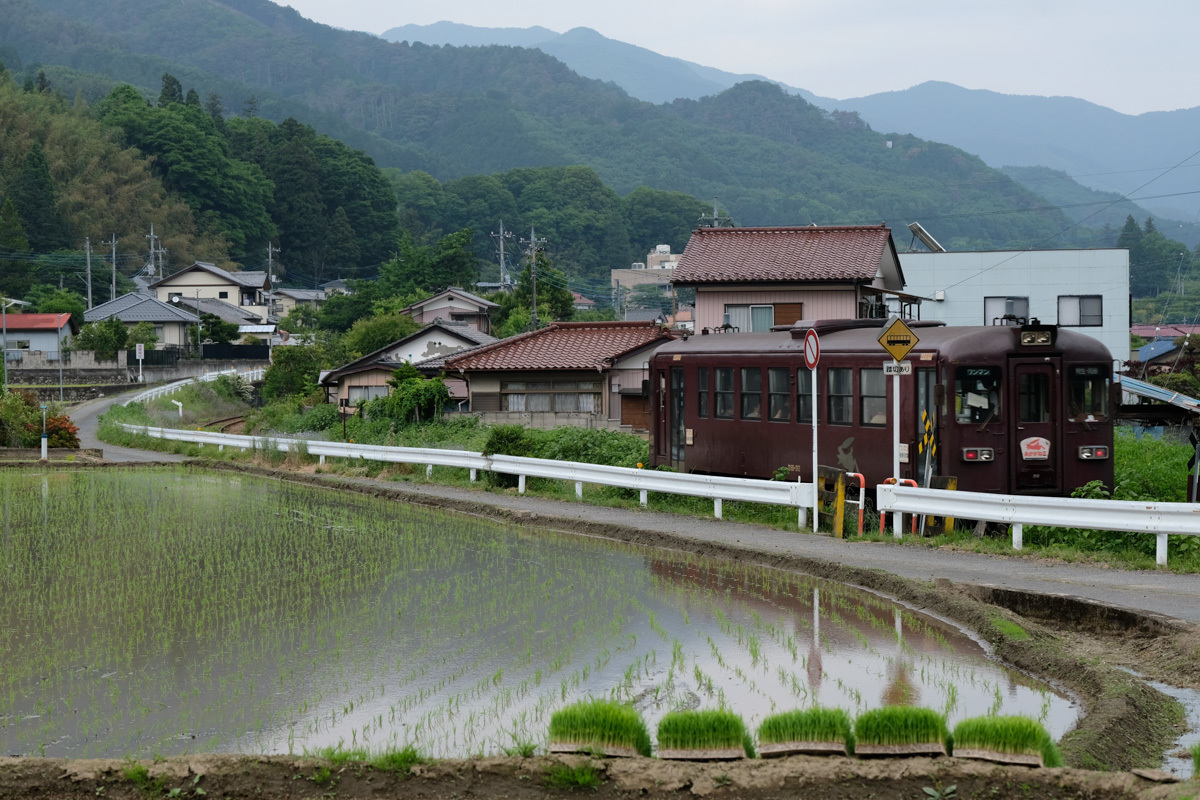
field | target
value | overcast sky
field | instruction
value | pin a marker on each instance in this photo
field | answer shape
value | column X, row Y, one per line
column 1130, row 56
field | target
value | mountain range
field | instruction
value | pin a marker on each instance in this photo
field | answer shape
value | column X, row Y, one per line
column 1096, row 146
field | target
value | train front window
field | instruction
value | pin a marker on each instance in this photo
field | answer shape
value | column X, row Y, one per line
column 873, row 397
column 723, row 397
column 841, row 396
column 1033, row 388
column 751, row 393
column 1087, row 394
column 977, row 394
column 702, row 389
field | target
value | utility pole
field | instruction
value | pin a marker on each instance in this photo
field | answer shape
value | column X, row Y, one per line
column 271, row 250
column 535, row 244
column 151, row 237
column 114, row 267
column 505, row 278
column 87, row 246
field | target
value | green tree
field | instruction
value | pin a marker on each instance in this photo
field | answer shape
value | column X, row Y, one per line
column 293, row 371
column 14, row 275
column 192, row 98
column 216, row 330
column 341, row 311
column 47, row 299
column 371, row 333
column 104, row 338
column 33, row 195
column 142, row 333
column 341, row 251
column 172, row 91
column 412, row 398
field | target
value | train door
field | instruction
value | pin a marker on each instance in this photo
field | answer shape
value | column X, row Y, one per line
column 926, row 427
column 662, row 432
column 1034, row 426
column 675, row 412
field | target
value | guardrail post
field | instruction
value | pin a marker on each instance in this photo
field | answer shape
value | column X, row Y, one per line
column 802, row 518
column 643, row 497
column 1018, row 534
column 578, row 490
column 220, row 448
column 428, row 471
column 1160, row 550
column 520, row 484
column 320, row 459
column 473, row 475
column 717, row 508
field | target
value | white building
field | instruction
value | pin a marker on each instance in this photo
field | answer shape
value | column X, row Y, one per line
column 1087, row 290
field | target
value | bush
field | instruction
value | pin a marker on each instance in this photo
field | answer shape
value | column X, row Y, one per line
column 20, row 420
column 509, row 440
column 234, row 387
column 61, row 432
column 412, row 400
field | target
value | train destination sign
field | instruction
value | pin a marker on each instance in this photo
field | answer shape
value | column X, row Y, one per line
column 898, row 339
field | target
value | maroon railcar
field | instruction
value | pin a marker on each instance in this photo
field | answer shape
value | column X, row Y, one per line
column 1012, row 409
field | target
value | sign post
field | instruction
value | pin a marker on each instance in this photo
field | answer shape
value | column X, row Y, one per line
column 812, row 354
column 898, row 340
column 141, row 353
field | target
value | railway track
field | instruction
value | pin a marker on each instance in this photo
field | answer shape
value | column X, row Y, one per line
column 227, row 425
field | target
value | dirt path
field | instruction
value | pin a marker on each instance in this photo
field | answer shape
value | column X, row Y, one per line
column 86, row 416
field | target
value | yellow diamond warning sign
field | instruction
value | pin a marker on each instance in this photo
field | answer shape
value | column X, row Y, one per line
column 897, row 338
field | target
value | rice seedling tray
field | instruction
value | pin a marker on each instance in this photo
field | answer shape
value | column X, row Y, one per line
column 1013, row 759
column 714, row 754
column 780, row 749
column 890, row 750
column 607, row 751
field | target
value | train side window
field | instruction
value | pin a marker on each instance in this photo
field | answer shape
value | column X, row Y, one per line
column 1034, row 392
column 724, row 394
column 751, row 393
column 702, row 392
column 804, row 403
column 977, row 394
column 1087, row 393
column 841, row 395
column 779, row 400
column 873, row 398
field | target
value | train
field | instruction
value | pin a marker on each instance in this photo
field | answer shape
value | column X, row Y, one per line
column 1023, row 408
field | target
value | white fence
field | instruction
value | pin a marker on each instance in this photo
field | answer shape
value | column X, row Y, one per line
column 718, row 489
column 1160, row 519
column 255, row 374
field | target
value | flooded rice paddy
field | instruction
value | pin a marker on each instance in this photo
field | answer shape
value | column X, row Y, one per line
column 161, row 612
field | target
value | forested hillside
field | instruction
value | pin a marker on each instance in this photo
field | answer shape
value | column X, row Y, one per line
column 454, row 112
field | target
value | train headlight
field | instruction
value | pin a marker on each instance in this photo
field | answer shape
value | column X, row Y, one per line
column 1036, row 337
column 1098, row 452
column 978, row 454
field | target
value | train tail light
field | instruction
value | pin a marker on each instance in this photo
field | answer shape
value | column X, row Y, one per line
column 1098, row 452
column 978, row 454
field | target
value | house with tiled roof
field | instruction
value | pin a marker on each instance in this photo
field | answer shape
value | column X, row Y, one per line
column 202, row 280
column 456, row 305
column 751, row 279
column 46, row 333
column 285, row 300
column 590, row 374
column 170, row 322
column 367, row 377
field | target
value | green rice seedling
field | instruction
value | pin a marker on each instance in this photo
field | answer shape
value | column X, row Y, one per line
column 599, row 724
column 561, row 776
column 819, row 729
column 900, row 730
column 1007, row 739
column 705, row 734
column 522, row 748
column 399, row 761
column 1196, row 761
column 340, row 755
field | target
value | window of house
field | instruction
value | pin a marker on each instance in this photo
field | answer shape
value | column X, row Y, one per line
column 222, row 295
column 872, row 397
column 804, row 400
column 841, row 395
column 558, row 396
column 1085, row 310
column 996, row 309
column 779, row 399
column 361, row 393
column 702, row 392
column 18, row 344
column 724, row 393
column 751, row 393
column 747, row 318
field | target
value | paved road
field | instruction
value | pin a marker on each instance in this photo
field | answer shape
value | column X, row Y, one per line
column 86, row 416
column 1161, row 592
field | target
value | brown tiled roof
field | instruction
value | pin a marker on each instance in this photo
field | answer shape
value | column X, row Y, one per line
column 814, row 253
column 561, row 345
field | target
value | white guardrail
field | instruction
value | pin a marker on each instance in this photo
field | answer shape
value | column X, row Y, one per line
column 255, row 374
column 1160, row 519
column 750, row 490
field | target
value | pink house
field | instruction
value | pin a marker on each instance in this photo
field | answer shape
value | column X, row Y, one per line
column 456, row 305
column 754, row 278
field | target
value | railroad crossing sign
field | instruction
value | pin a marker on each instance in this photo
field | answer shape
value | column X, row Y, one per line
column 898, row 339
column 812, row 349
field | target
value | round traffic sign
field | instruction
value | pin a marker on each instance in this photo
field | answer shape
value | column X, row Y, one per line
column 812, row 349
